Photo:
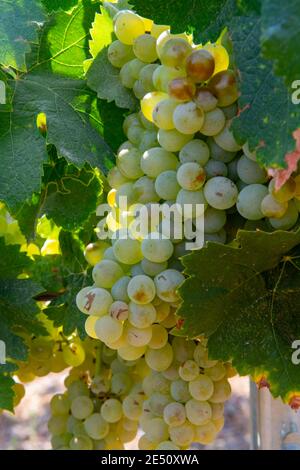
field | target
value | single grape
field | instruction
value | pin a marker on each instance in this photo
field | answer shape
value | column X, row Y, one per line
column 162, row 114
column 206, row 433
column 216, row 372
column 59, row 405
column 82, row 407
column 167, row 445
column 144, row 47
column 272, row 208
column 205, row 99
column 214, row 220
column 141, row 289
column 156, row 160
column 111, row 411
column 138, row 337
column 157, row 402
column 182, row 435
column 249, row 201
column 131, row 353
column 119, row 54
column 148, row 140
column 191, row 203
column 226, row 140
column 187, row 118
column 285, row 193
column 146, row 77
column 250, row 172
column 149, row 102
column 159, row 359
column 152, row 268
column 115, row 178
column 200, row 65
column 162, row 76
column 132, row 406
column 198, row 412
column 81, row 442
column 166, row 185
column 224, row 87
column 222, row 391
column 288, row 220
column 128, row 26
column 220, row 192
column 195, row 151
column 156, row 430
column 215, row 168
column 174, row 52
column 73, row 354
column 106, row 273
column 173, row 140
column 167, row 283
column 108, row 329
column 214, row 121
column 127, row 251
column 159, row 337
column 119, row 310
column 141, row 316
column 181, row 89
column 96, row 426
column 191, row 176
column 201, row 388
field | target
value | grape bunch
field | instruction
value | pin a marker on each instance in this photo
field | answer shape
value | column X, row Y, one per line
column 179, row 150
column 101, row 405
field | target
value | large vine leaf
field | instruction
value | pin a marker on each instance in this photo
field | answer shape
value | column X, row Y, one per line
column 267, row 117
column 55, row 5
column 68, row 107
column 101, row 76
column 64, row 40
column 245, row 297
column 19, row 22
column 280, row 35
column 7, row 393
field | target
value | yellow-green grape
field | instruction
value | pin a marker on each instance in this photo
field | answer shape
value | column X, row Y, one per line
column 286, row 191
column 164, row 76
column 200, row 355
column 94, row 301
column 167, row 283
column 191, row 176
column 216, row 372
column 128, row 251
column 159, row 337
column 133, row 405
column 141, row 289
column 108, row 329
column 106, row 273
column 226, row 140
column 74, row 354
column 128, row 26
column 288, row 220
column 189, row 370
column 167, row 445
column 96, row 426
column 138, row 337
column 60, row 405
column 41, row 349
column 144, row 47
column 182, row 435
column 145, row 444
column 149, row 102
column 128, row 162
column 115, row 178
column 220, row 56
column 158, row 29
column 131, row 353
column 201, row 388
column 214, row 121
column 163, row 114
column 146, row 78
column 206, row 433
column 174, row 51
column 111, row 410
column 141, row 316
column 174, row 414
column 198, row 412
column 119, row 54
column 188, row 118
column 94, row 252
column 159, row 359
column 82, row 407
column 205, row 99
column 119, row 310
column 156, row 160
column 272, row 208
column 90, row 326
column 222, row 391
column 217, row 410
column 173, row 140
column 157, row 248
column 57, row 425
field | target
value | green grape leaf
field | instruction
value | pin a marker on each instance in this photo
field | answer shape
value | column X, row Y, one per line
column 101, row 76
column 63, row 311
column 49, row 272
column 111, row 118
column 64, row 44
column 72, row 252
column 245, row 298
column 67, row 104
column 7, row 393
column 27, row 217
column 55, row 5
column 12, row 262
column 280, row 37
column 19, row 22
column 70, row 200
column 267, row 117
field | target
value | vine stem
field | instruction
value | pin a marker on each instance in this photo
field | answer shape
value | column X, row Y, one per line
column 98, row 359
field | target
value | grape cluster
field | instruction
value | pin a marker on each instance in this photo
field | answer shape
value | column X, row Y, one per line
column 179, row 150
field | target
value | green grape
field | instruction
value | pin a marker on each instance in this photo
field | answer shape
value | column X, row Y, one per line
column 288, row 220
column 128, row 26
column 200, row 65
column 128, row 162
column 206, row 433
column 285, row 193
column 57, row 442
column 216, row 372
column 172, row 372
column 126, row 191
column 108, row 329
column 218, row 153
column 182, row 435
column 249, row 201
column 217, row 410
column 215, row 168
column 181, row 88
column 180, row 391
column 187, row 118
column 232, row 170
column 174, row 52
column 111, row 411
column 183, row 349
column 198, row 412
column 76, row 389
column 90, row 326
column 191, row 204
column 136, row 66
column 115, row 178
column 152, row 268
column 148, row 141
column 174, row 414
column 128, row 251
column 57, row 425
column 214, row 220
column 137, row 337
column 133, row 405
column 131, row 120
column 159, row 359
column 157, row 402
column 201, row 388
column 222, row 391
column 73, row 354
column 173, row 140
column 144, row 47
column 145, row 190
column 120, row 383
column 219, row 54
column 226, row 140
column 141, row 289
column 220, row 192
column 163, row 114
column 106, row 273
column 139, row 91
column 156, row 430
column 82, row 407
column 188, row 370
column 190, row 176
column 119, row 310
column 155, row 382
column 200, row 355
column 248, row 153
column 81, row 443
column 93, row 252
column 272, row 208
column 131, row 353
column 149, row 102
column 159, row 337
column 41, row 349
column 167, row 283
column 141, row 316
column 250, row 172
column 214, row 121
column 135, row 134
column 118, row 53
column 94, row 301
column 157, row 248
column 126, row 77
column 96, row 426
column 205, row 99
column 163, row 76
column 195, row 151
column 59, row 405
column 167, row 445
column 119, row 289
column 157, row 160
column 146, row 77
column 166, row 185
column 224, row 87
